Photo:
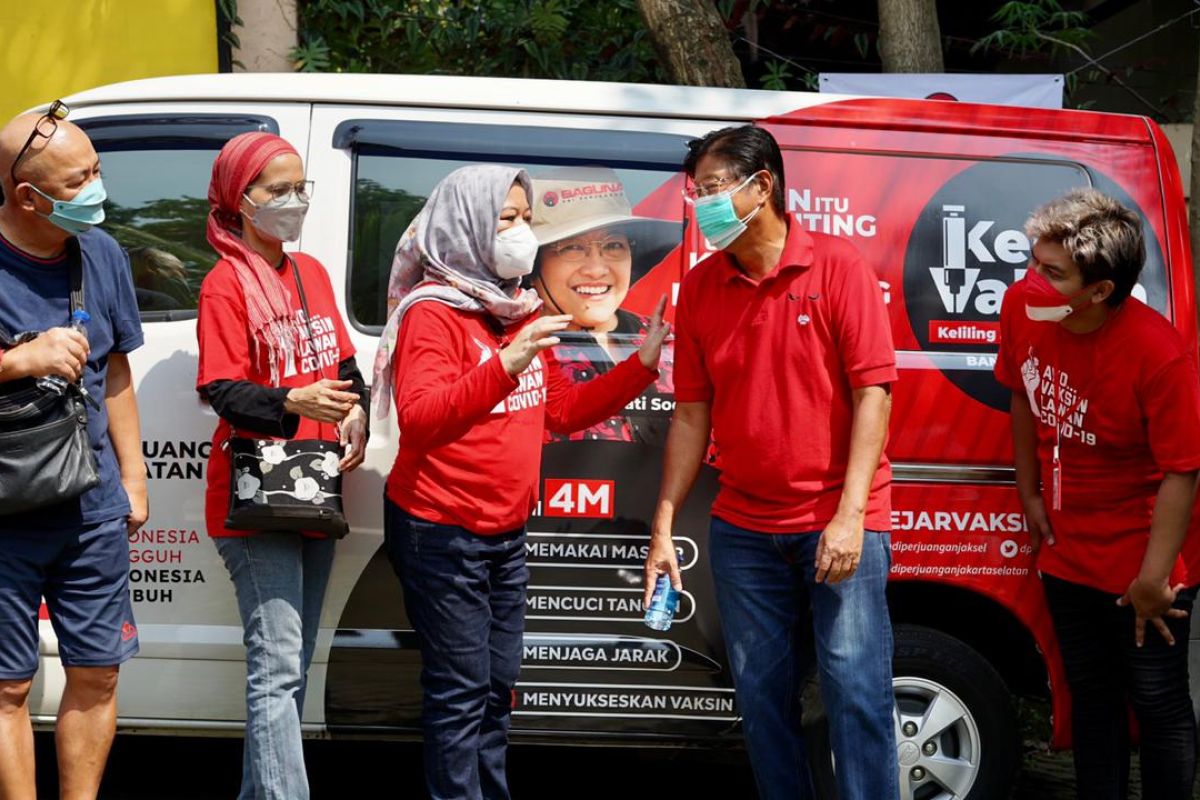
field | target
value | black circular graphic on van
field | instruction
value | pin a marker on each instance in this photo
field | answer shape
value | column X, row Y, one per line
column 968, row 246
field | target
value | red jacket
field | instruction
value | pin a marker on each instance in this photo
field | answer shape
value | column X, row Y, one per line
column 471, row 435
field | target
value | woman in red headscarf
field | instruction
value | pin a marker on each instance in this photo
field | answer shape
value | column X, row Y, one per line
column 275, row 361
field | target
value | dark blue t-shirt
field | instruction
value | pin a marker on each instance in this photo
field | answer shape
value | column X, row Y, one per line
column 35, row 296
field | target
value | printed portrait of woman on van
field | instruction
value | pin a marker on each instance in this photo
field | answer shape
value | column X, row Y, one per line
column 276, row 362
column 593, row 249
column 474, row 394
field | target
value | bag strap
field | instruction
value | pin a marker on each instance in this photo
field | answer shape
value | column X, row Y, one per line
column 303, row 303
column 307, row 327
column 75, row 267
column 312, row 342
column 75, row 270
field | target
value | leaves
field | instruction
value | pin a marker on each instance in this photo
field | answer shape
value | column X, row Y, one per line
column 861, row 42
column 227, row 11
column 311, row 56
column 1033, row 28
column 776, row 75
column 565, row 39
column 1037, row 29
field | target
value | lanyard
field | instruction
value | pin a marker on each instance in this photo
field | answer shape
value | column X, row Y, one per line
column 1056, row 471
column 1056, row 464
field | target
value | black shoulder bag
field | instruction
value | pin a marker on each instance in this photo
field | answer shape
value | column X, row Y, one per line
column 282, row 485
column 46, row 457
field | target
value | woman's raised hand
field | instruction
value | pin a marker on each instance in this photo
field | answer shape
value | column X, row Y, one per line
column 656, row 334
column 325, row 401
column 533, row 339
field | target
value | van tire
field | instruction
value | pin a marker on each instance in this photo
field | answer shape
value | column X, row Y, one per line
column 930, row 665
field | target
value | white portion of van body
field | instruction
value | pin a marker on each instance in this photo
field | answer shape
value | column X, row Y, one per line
column 452, row 92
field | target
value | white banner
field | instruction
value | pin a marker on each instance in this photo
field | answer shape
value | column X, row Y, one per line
column 1036, row 91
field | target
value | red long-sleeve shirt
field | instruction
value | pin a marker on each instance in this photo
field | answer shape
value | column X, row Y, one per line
column 470, row 434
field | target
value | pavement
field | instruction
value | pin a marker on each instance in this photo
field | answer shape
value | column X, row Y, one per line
column 188, row 768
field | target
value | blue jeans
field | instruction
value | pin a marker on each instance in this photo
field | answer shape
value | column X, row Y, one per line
column 465, row 597
column 765, row 587
column 280, row 580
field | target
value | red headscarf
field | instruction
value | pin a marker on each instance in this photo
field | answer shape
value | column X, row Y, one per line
column 268, row 302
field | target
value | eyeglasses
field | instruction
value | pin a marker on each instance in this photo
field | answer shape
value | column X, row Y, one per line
column 281, row 190
column 696, row 191
column 611, row 249
column 46, row 127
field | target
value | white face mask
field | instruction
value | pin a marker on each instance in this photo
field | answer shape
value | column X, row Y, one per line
column 515, row 250
column 280, row 219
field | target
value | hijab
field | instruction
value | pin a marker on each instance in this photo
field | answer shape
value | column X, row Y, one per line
column 269, row 313
column 446, row 256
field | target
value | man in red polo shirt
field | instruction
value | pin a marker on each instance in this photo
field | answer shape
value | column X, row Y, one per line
column 783, row 351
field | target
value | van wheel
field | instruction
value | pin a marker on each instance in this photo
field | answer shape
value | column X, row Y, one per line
column 956, row 728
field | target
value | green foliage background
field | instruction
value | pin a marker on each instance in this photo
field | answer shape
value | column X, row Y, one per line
column 565, row 39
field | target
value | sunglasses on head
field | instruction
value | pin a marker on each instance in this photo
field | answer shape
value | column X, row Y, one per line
column 45, row 127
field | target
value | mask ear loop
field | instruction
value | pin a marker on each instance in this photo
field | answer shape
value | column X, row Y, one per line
column 254, row 205
column 766, row 199
column 746, row 220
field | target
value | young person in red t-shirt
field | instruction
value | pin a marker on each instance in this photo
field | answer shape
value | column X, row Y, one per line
column 784, row 350
column 1106, row 439
column 474, row 393
column 270, row 371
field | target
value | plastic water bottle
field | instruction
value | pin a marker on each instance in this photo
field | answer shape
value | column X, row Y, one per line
column 663, row 604
column 57, row 383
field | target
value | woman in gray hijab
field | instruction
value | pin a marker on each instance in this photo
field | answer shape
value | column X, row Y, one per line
column 464, row 357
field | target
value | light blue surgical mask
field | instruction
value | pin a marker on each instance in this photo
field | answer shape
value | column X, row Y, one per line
column 82, row 212
column 717, row 218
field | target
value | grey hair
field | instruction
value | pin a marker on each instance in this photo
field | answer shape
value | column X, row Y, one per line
column 1102, row 237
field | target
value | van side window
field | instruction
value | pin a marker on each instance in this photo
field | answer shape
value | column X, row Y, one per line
column 156, row 171
column 607, row 205
column 397, row 164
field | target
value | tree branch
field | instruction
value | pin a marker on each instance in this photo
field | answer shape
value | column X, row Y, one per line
column 1111, row 75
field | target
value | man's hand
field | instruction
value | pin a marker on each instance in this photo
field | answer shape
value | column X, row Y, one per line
column 1153, row 601
column 661, row 560
column 656, row 334
column 58, row 351
column 325, row 401
column 839, row 549
column 139, row 502
column 1038, row 522
column 354, row 433
column 531, row 340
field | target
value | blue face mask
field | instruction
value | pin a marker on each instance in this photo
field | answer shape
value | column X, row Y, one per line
column 80, row 213
column 717, row 218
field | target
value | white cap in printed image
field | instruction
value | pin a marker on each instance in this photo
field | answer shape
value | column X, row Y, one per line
column 573, row 200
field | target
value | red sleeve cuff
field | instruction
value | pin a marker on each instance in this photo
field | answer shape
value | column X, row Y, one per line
column 873, row 376
column 637, row 366
column 501, row 374
column 1189, row 464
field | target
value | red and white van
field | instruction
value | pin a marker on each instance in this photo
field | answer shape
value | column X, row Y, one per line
column 934, row 194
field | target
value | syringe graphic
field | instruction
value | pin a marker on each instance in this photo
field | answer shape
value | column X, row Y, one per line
column 954, row 255
column 954, row 279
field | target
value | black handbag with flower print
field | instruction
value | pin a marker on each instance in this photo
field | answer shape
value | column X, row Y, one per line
column 282, row 485
column 286, row 486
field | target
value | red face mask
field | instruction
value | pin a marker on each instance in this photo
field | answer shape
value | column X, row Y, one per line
column 1043, row 302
